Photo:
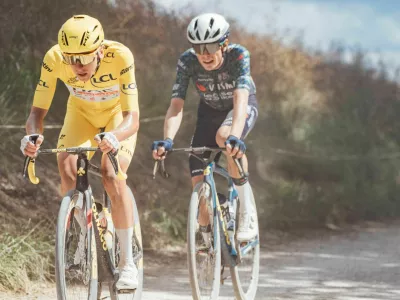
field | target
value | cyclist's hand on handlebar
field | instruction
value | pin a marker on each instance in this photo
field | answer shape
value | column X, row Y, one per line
column 108, row 143
column 161, row 147
column 28, row 148
column 235, row 146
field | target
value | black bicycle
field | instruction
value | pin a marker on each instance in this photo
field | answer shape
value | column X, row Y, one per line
column 87, row 248
column 209, row 255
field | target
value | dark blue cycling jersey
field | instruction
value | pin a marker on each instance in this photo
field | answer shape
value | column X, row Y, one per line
column 216, row 87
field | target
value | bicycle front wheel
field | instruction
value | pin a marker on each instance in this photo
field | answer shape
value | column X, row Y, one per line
column 204, row 256
column 76, row 274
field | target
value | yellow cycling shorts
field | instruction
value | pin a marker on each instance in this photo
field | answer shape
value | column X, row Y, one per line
column 81, row 126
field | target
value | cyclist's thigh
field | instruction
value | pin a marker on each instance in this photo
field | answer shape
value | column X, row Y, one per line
column 204, row 135
column 127, row 146
column 76, row 132
column 251, row 117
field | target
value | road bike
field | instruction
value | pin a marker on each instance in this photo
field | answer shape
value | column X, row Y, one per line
column 87, row 248
column 209, row 254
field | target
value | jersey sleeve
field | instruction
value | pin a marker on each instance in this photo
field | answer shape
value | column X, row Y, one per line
column 47, row 83
column 127, row 81
column 183, row 75
column 243, row 80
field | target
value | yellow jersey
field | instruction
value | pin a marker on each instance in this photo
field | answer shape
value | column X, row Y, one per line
column 111, row 89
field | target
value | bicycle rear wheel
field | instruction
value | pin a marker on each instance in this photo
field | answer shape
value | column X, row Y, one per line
column 204, row 257
column 245, row 274
column 76, row 268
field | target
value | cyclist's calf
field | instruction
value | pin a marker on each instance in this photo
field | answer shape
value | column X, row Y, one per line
column 67, row 168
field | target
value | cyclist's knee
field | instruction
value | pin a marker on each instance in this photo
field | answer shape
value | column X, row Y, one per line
column 196, row 180
column 67, row 167
column 222, row 135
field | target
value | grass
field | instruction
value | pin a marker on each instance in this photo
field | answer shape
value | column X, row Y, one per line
column 27, row 256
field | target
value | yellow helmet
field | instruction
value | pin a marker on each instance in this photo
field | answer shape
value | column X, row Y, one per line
column 80, row 34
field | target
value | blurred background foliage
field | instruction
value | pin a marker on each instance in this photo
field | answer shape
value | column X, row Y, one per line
column 324, row 152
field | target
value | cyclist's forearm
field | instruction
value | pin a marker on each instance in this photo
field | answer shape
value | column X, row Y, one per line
column 241, row 99
column 34, row 124
column 173, row 118
column 129, row 125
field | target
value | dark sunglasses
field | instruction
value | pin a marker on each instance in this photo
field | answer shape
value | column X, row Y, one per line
column 206, row 48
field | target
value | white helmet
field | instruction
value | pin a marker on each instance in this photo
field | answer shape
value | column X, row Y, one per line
column 207, row 28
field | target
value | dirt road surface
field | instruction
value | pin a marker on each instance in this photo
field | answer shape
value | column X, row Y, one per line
column 363, row 263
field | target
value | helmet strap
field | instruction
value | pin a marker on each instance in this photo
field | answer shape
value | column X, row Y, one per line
column 98, row 64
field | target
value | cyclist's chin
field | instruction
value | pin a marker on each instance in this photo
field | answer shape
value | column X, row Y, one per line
column 83, row 77
column 210, row 66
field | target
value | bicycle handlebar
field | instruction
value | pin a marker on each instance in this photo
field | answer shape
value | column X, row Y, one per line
column 193, row 150
column 29, row 163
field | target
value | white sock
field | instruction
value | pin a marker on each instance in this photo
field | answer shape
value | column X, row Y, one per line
column 246, row 198
column 125, row 243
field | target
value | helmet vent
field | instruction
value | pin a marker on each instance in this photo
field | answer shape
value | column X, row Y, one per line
column 95, row 27
column 83, row 37
column 216, row 33
column 65, row 38
column 191, row 36
column 211, row 22
column 207, row 34
column 195, row 25
column 98, row 37
column 198, row 35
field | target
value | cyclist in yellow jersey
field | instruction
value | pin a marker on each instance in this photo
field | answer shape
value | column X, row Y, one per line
column 100, row 77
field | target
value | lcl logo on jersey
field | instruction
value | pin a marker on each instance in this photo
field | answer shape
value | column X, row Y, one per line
column 43, row 83
column 104, row 78
column 129, row 88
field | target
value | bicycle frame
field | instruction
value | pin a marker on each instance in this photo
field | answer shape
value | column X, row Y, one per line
column 209, row 179
column 209, row 169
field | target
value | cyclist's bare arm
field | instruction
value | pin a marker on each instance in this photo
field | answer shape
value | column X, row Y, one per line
column 129, row 125
column 173, row 118
column 240, row 101
column 34, row 124
column 172, row 123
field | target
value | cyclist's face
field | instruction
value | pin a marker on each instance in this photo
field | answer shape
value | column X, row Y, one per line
column 210, row 61
column 85, row 72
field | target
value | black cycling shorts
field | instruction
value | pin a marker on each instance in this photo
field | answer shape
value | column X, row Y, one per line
column 206, row 130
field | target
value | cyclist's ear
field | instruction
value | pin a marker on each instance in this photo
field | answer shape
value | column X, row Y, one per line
column 225, row 45
column 100, row 54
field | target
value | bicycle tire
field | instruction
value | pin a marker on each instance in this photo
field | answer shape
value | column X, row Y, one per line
column 250, row 292
column 64, row 221
column 191, row 253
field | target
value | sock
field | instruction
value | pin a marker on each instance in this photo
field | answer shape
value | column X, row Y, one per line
column 246, row 198
column 125, row 243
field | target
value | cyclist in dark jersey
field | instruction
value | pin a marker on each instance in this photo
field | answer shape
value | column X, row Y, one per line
column 227, row 109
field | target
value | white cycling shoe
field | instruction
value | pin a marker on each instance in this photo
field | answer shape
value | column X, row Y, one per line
column 128, row 278
column 248, row 227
